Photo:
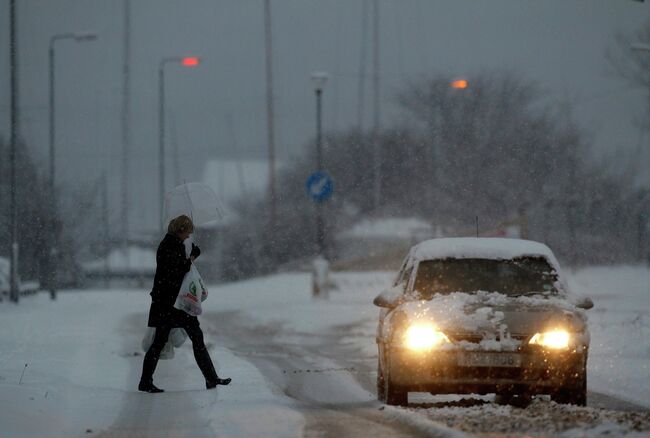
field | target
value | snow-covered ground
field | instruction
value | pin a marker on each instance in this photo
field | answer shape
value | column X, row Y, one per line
column 619, row 360
column 83, row 362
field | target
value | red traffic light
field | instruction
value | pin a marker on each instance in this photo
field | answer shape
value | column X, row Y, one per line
column 459, row 83
column 191, row 61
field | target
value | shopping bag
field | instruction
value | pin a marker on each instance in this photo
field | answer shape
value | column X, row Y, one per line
column 168, row 350
column 147, row 340
column 177, row 337
column 192, row 293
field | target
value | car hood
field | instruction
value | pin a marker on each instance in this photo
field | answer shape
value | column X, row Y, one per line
column 492, row 316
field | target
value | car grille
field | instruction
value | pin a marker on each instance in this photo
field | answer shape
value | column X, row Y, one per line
column 490, row 373
column 476, row 338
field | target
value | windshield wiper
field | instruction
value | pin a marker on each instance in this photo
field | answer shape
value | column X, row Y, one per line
column 525, row 294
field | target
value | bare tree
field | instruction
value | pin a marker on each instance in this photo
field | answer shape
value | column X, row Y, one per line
column 633, row 65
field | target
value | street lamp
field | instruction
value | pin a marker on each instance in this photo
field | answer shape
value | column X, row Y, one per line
column 53, row 257
column 459, row 84
column 318, row 80
column 189, row 61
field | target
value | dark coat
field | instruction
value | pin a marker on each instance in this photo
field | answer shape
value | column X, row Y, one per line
column 171, row 266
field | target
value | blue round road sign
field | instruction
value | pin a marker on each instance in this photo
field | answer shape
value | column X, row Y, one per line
column 319, row 186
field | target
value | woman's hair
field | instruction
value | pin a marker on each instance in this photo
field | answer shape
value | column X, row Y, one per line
column 180, row 225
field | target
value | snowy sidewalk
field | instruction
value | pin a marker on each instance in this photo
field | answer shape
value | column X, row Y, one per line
column 84, row 360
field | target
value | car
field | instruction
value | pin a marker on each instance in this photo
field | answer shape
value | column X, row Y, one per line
column 482, row 316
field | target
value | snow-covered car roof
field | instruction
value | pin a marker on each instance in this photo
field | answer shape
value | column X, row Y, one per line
column 481, row 248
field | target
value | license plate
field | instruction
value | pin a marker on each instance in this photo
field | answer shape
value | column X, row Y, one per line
column 479, row 359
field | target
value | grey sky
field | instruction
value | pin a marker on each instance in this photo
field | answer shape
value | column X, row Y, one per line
column 560, row 43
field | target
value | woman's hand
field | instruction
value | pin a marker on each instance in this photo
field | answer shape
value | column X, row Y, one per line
column 196, row 252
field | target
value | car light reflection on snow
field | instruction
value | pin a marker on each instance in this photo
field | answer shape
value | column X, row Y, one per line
column 424, row 337
column 556, row 339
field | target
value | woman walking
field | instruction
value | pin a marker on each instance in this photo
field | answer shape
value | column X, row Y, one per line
column 171, row 266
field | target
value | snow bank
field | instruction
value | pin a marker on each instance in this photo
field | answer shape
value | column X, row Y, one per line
column 619, row 357
column 540, row 418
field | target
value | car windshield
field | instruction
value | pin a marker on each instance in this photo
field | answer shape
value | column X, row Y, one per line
column 511, row 277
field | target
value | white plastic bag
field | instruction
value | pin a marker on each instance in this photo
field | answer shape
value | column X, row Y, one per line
column 176, row 338
column 192, row 293
column 147, row 340
column 167, row 351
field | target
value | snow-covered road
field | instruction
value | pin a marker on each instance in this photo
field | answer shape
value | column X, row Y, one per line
column 300, row 367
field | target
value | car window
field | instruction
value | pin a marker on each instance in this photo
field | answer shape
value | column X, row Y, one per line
column 404, row 280
column 512, row 277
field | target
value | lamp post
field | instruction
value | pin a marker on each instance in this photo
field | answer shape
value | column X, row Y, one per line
column 185, row 62
column 642, row 226
column 270, row 117
column 319, row 79
column 53, row 256
column 13, row 221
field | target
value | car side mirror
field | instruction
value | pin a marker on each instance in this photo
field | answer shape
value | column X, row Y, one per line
column 389, row 298
column 584, row 303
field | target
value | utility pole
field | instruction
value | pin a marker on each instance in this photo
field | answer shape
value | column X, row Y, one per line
column 53, row 256
column 362, row 66
column 319, row 79
column 173, row 138
column 54, row 222
column 13, row 71
column 320, row 222
column 126, row 120
column 269, row 109
column 161, row 142
column 188, row 61
column 105, row 229
column 376, row 107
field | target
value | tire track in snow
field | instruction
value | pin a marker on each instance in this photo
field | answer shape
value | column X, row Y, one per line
column 333, row 402
column 292, row 360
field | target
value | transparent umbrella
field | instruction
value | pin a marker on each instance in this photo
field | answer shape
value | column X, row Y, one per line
column 196, row 200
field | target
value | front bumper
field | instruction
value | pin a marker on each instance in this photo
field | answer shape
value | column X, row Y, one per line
column 540, row 372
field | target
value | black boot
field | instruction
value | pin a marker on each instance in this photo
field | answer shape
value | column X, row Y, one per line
column 207, row 367
column 149, row 387
column 209, row 384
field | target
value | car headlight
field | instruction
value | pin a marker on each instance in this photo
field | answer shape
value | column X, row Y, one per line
column 556, row 339
column 424, row 337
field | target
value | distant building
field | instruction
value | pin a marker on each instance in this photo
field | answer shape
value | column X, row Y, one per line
column 379, row 243
column 136, row 265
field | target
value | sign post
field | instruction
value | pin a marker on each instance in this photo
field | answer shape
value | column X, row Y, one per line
column 319, row 187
